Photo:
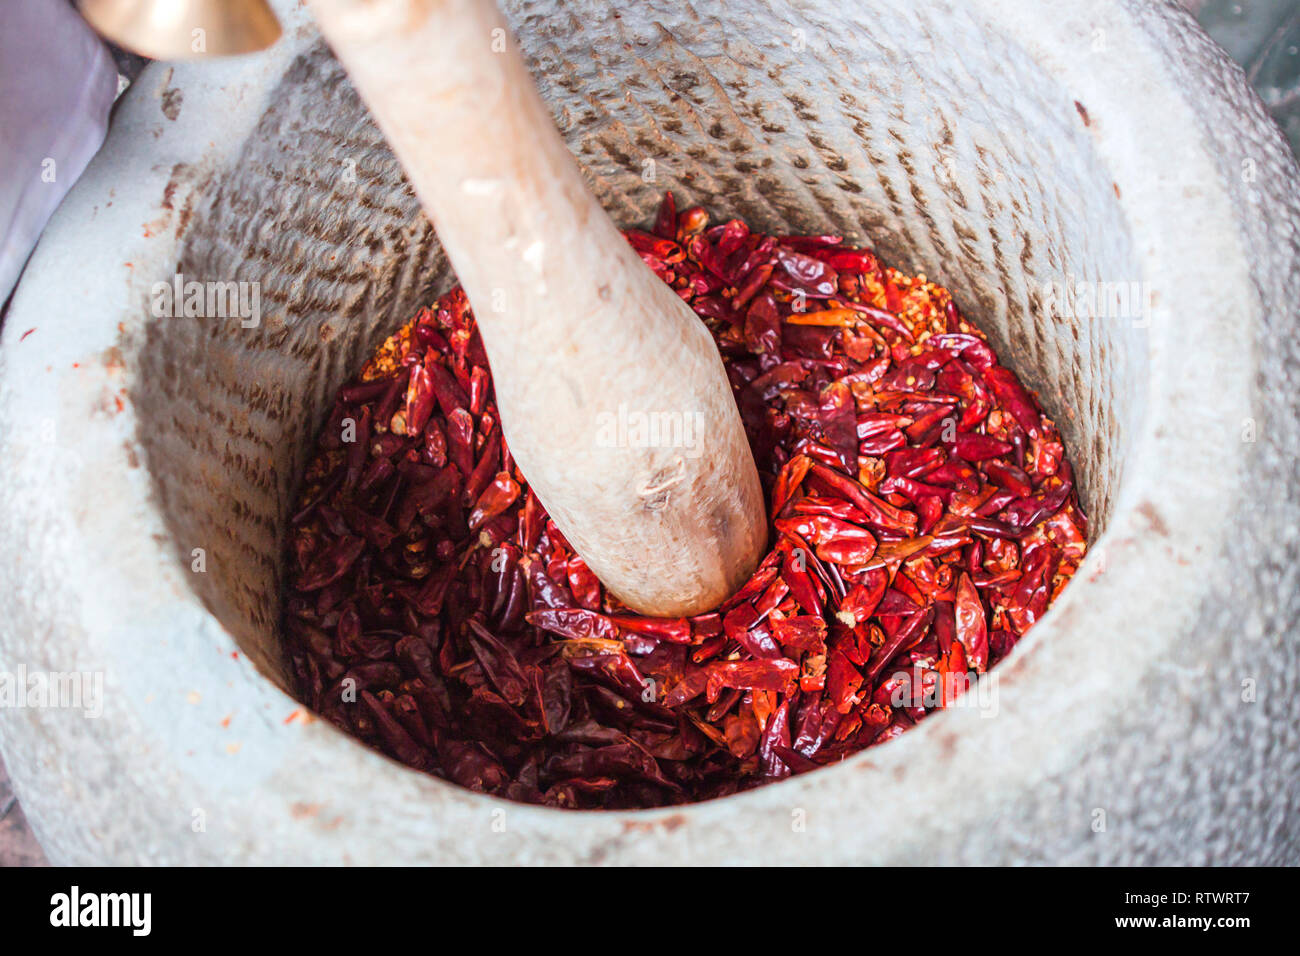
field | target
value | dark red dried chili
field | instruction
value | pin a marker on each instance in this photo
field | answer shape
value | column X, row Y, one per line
column 924, row 517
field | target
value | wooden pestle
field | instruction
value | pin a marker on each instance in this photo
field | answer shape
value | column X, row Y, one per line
column 586, row 344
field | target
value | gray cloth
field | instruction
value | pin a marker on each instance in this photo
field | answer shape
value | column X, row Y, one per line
column 57, row 84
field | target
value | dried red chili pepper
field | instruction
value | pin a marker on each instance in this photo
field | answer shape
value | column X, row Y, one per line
column 924, row 517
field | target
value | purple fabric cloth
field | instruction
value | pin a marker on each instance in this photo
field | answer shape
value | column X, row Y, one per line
column 57, row 84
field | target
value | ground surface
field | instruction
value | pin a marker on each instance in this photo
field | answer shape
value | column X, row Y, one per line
column 17, row 845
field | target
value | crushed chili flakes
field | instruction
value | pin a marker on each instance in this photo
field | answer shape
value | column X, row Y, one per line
column 924, row 518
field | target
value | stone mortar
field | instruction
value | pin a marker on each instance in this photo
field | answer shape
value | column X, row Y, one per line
column 1000, row 147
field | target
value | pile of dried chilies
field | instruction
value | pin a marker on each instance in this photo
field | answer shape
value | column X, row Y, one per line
column 924, row 517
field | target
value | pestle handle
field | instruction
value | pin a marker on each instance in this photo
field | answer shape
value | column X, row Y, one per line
column 613, row 397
